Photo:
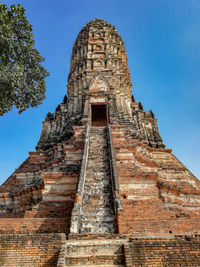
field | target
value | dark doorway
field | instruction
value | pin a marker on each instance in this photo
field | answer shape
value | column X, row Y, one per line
column 99, row 115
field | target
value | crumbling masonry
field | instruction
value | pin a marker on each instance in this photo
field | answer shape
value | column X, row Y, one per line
column 101, row 188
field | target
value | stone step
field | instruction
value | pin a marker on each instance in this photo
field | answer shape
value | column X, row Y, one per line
column 97, row 162
column 99, row 212
column 95, row 193
column 94, row 248
column 97, row 151
column 98, row 134
column 95, row 252
column 99, row 140
column 97, row 219
column 89, row 207
column 93, row 168
column 99, row 189
column 98, row 131
column 98, row 183
column 98, row 143
column 97, row 159
column 100, row 156
column 98, row 165
column 102, row 174
column 98, row 229
column 96, row 206
column 98, row 192
column 92, row 179
column 89, row 227
column 98, row 177
column 90, row 197
column 97, row 203
column 101, row 136
column 98, row 200
column 97, row 180
column 95, row 156
column 95, row 259
column 100, row 171
column 98, row 146
column 97, row 216
column 99, row 265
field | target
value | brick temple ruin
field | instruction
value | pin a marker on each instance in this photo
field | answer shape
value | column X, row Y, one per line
column 101, row 188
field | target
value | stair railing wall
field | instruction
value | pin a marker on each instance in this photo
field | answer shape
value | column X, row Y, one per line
column 76, row 212
column 61, row 256
column 114, row 176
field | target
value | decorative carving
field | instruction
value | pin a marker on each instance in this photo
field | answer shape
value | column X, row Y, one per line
column 99, row 84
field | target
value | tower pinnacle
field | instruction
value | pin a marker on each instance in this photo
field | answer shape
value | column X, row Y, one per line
column 99, row 75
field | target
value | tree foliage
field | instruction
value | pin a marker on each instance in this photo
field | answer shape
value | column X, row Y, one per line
column 21, row 73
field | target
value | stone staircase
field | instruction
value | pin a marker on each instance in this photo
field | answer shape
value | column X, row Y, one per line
column 97, row 214
column 93, row 253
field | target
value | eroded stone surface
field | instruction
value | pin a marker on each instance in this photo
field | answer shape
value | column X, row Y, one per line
column 98, row 215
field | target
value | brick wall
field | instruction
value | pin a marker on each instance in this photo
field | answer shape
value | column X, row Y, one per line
column 30, row 250
column 168, row 251
column 43, row 250
column 35, row 225
column 159, row 195
column 39, row 196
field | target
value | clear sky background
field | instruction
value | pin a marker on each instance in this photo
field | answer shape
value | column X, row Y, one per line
column 162, row 40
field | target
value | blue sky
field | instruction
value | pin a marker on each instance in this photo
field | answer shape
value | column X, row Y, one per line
column 163, row 47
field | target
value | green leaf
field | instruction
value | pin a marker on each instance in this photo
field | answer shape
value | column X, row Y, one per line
column 21, row 73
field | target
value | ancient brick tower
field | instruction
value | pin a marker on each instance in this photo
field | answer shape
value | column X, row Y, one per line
column 100, row 176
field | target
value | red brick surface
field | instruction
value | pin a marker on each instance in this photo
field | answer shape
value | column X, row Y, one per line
column 30, row 250
column 159, row 195
column 163, row 252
